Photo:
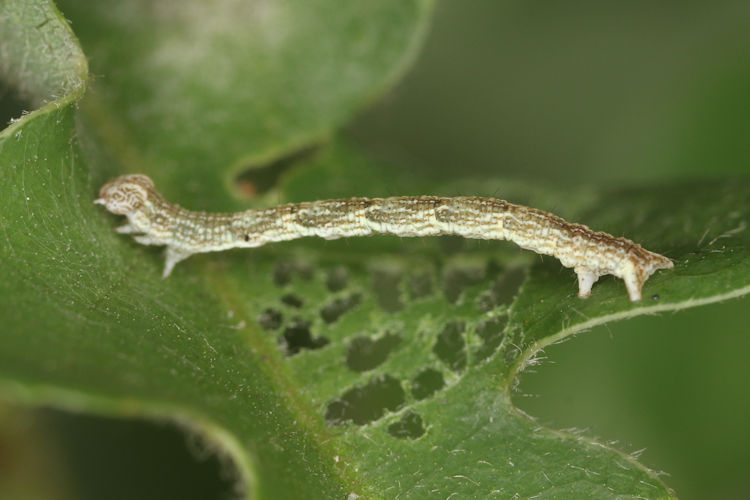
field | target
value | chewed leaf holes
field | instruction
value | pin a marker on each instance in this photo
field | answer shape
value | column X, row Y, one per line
column 504, row 288
column 285, row 271
column 367, row 403
column 297, row 336
column 492, row 333
column 365, row 353
column 450, row 346
column 333, row 311
column 337, row 279
column 455, row 280
column 427, row 383
column 270, row 319
column 409, row 427
column 282, row 273
column 420, row 285
column 385, row 285
column 292, row 300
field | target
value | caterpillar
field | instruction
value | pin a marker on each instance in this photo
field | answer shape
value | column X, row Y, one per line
column 154, row 221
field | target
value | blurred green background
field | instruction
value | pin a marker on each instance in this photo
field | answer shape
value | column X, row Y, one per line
column 600, row 93
column 606, row 94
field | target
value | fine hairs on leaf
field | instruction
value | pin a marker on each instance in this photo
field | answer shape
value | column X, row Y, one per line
column 378, row 367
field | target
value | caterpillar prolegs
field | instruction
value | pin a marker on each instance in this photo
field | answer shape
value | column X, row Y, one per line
column 154, row 221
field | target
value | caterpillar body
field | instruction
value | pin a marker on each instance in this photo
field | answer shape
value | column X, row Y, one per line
column 154, row 221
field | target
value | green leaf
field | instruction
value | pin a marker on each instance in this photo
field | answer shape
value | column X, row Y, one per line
column 191, row 86
column 379, row 367
column 494, row 308
column 40, row 56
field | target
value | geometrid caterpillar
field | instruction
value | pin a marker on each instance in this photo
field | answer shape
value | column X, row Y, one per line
column 591, row 254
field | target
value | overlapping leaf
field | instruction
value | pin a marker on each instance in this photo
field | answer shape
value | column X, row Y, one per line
column 376, row 367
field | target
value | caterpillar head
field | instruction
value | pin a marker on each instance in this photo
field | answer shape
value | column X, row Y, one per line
column 125, row 194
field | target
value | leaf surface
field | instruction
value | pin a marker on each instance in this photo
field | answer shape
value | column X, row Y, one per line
column 380, row 367
column 192, row 86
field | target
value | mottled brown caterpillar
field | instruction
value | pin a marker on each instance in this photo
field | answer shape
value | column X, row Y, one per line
column 591, row 254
